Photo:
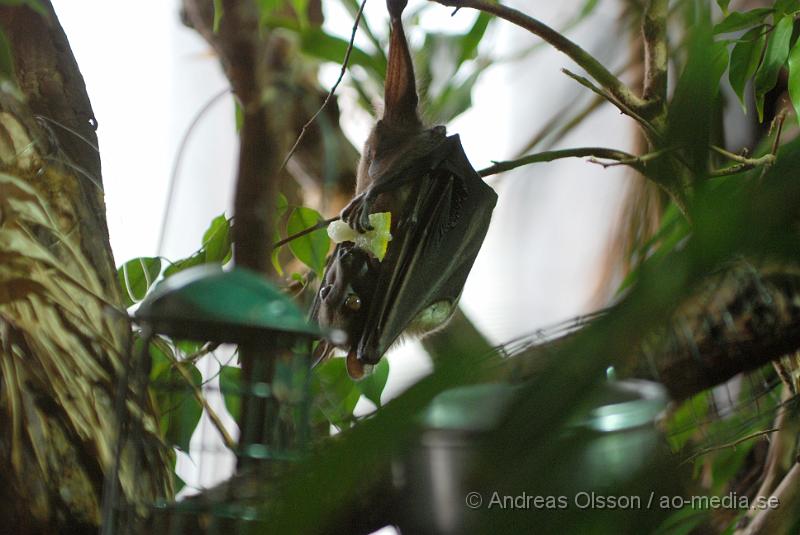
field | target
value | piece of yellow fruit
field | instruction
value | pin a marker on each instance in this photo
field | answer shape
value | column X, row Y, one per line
column 374, row 241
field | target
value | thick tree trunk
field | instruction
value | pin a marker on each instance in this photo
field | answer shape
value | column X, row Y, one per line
column 64, row 340
column 55, row 93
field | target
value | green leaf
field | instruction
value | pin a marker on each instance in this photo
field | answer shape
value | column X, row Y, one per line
column 682, row 425
column 454, row 100
column 469, row 41
column 218, row 12
column 178, row 266
column 693, row 104
column 312, row 248
column 187, row 347
column 372, row 386
column 786, row 7
column 217, row 240
column 723, row 5
column 238, row 116
column 177, row 482
column 275, row 257
column 267, row 7
column 683, row 521
column 318, row 44
column 281, row 205
column 179, row 411
column 301, row 10
column 335, row 394
column 739, row 20
column 35, row 5
column 774, row 58
column 587, row 9
column 230, row 383
column 745, row 57
column 794, row 77
column 136, row 277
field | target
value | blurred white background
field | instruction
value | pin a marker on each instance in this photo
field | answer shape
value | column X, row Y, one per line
column 148, row 76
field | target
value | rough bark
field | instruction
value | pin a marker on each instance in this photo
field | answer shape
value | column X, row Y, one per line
column 49, row 78
column 738, row 320
column 64, row 340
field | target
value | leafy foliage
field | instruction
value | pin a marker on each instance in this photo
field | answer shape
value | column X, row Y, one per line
column 179, row 409
column 136, row 277
column 230, row 385
column 311, row 249
column 723, row 216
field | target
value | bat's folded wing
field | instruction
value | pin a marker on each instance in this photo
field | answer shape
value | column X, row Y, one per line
column 437, row 238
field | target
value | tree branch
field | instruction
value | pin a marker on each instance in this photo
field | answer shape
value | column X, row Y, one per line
column 549, row 156
column 721, row 331
column 784, row 517
column 622, row 93
column 654, row 31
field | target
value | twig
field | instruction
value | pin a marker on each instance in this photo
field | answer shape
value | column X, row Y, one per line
column 739, row 167
column 353, row 8
column 173, row 177
column 623, row 107
column 198, row 394
column 637, row 162
column 322, row 224
column 621, row 92
column 729, row 444
column 596, row 152
column 329, row 97
column 777, row 125
column 554, row 131
column 782, row 518
column 66, row 128
column 743, row 162
column 200, row 353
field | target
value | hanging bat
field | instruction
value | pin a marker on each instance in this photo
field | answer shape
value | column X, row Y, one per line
column 440, row 211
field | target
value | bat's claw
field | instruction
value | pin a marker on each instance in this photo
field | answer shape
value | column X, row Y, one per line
column 356, row 213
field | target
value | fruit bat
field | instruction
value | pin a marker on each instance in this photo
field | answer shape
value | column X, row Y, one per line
column 440, row 211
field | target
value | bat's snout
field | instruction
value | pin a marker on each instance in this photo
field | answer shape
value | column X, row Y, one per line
column 356, row 368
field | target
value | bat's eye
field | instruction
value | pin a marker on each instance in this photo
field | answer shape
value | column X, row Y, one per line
column 353, row 302
column 325, row 291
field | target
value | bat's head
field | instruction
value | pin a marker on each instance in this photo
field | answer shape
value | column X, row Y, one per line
column 346, row 293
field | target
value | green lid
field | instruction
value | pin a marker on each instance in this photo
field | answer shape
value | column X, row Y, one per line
column 207, row 303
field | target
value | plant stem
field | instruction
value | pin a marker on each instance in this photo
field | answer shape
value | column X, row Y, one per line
column 322, row 224
column 329, row 97
column 549, row 156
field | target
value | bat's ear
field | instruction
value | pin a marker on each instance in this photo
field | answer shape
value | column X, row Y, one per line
column 322, row 352
column 400, row 88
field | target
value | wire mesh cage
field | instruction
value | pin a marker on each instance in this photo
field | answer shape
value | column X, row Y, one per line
column 717, row 423
column 208, row 312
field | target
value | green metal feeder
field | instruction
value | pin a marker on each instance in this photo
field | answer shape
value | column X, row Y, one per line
column 236, row 306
